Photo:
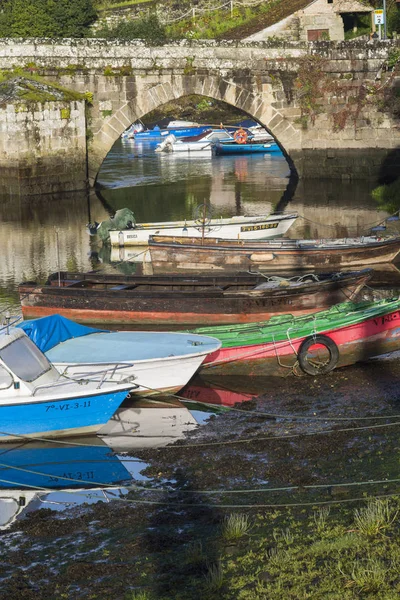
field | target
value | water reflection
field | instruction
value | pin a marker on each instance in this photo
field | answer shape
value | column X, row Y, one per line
column 165, row 187
column 60, row 474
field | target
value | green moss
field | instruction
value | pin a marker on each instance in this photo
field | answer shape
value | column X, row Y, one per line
column 65, row 113
column 44, row 91
column 106, row 113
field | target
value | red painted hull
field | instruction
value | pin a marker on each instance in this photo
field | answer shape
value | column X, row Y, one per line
column 181, row 301
column 357, row 342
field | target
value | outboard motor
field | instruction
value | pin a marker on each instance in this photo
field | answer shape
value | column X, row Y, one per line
column 167, row 144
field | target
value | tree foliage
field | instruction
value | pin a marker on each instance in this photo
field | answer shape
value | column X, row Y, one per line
column 146, row 28
column 46, row 18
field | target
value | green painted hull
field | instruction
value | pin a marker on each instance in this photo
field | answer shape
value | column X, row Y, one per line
column 286, row 327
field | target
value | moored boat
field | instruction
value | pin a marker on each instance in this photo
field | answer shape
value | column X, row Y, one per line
column 35, row 400
column 245, row 228
column 156, row 361
column 203, row 142
column 184, row 299
column 180, row 129
column 178, row 254
column 227, row 148
column 314, row 344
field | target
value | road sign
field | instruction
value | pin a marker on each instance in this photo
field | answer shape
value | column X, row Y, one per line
column 379, row 17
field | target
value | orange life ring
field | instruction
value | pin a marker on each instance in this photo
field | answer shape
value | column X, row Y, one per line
column 240, row 136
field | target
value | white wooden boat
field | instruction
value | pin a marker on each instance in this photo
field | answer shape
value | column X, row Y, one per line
column 155, row 361
column 236, row 228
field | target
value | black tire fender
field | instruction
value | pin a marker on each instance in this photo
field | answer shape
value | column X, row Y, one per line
column 329, row 344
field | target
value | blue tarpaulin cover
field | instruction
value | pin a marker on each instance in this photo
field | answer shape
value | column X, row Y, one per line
column 47, row 332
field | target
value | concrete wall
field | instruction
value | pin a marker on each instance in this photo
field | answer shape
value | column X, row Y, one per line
column 42, row 147
column 343, row 128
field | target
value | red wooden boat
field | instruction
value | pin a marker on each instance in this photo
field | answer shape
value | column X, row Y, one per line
column 184, row 299
column 313, row 344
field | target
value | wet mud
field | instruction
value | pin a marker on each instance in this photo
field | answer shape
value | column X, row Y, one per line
column 161, row 537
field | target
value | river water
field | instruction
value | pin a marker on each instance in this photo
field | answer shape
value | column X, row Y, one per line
column 39, row 235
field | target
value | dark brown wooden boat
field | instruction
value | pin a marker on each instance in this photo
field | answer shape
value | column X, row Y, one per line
column 184, row 300
column 182, row 254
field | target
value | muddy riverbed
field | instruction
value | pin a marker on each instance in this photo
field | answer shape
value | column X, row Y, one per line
column 160, row 540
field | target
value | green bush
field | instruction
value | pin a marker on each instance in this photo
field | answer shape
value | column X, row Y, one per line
column 46, row 18
column 146, row 28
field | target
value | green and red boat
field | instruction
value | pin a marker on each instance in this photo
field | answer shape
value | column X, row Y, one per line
column 314, row 344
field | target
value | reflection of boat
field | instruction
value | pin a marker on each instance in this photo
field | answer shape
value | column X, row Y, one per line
column 183, row 299
column 314, row 344
column 31, row 472
column 244, row 228
column 185, row 254
column 36, row 400
column 133, row 254
column 55, row 466
column 201, row 391
column 147, row 424
column 224, row 148
column 155, row 361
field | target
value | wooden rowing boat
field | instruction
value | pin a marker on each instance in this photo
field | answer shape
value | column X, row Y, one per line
column 184, row 299
column 212, row 254
column 314, row 344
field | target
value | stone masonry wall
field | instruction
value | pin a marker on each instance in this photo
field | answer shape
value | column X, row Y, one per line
column 42, row 148
column 330, row 105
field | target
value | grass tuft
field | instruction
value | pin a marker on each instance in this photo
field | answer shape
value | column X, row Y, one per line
column 214, row 578
column 235, row 526
column 375, row 518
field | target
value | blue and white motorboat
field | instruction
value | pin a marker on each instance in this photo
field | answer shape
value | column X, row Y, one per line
column 156, row 361
column 37, row 401
column 180, row 129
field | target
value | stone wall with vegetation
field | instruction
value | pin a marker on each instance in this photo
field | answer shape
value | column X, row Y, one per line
column 42, row 147
column 333, row 107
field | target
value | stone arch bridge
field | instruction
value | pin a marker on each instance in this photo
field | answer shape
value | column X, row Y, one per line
column 333, row 107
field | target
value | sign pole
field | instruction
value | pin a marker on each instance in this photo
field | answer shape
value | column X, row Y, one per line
column 384, row 21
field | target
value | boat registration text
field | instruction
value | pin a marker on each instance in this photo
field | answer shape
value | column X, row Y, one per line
column 258, row 227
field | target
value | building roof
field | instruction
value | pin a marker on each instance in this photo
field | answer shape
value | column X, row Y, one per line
column 351, row 6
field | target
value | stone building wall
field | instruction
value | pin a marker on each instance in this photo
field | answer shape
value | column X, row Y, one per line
column 42, row 147
column 319, row 15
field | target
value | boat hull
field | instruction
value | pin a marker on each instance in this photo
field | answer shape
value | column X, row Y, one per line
column 181, row 308
column 250, row 148
column 183, row 255
column 179, row 132
column 363, row 340
column 58, row 417
column 151, row 377
column 245, row 228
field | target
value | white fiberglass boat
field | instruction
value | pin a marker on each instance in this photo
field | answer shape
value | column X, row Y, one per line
column 204, row 142
column 155, row 361
column 232, row 228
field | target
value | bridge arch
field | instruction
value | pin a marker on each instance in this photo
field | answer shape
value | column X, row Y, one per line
column 243, row 95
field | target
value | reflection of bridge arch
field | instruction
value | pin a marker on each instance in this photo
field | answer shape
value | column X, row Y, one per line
column 242, row 95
